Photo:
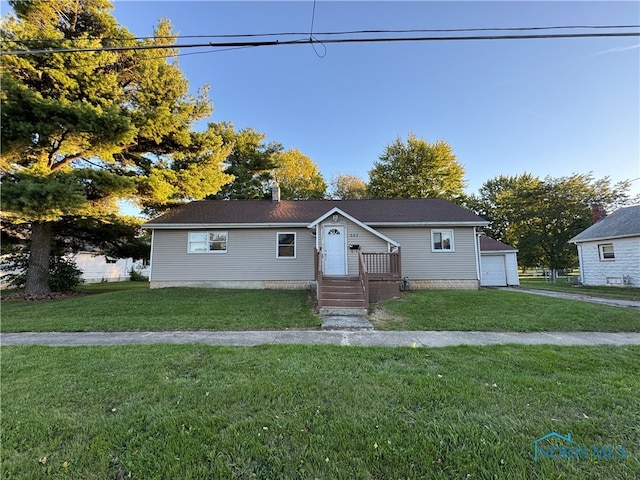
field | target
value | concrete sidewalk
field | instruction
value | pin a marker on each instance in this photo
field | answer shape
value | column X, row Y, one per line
column 316, row 337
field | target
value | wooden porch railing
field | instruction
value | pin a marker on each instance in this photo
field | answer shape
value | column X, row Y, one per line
column 318, row 271
column 379, row 266
column 383, row 264
column 363, row 276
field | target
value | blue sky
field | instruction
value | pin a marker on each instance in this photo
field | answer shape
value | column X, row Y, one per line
column 548, row 107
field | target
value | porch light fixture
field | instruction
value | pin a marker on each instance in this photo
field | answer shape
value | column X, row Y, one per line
column 335, row 217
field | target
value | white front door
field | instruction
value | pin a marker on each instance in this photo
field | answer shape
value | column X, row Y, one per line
column 334, row 250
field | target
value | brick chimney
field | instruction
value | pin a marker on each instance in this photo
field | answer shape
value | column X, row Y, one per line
column 275, row 192
column 597, row 212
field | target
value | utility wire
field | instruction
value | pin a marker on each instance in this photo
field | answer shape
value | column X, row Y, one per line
column 349, row 32
column 312, row 41
column 312, row 38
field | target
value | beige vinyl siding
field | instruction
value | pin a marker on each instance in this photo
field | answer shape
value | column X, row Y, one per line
column 419, row 262
column 251, row 255
column 356, row 235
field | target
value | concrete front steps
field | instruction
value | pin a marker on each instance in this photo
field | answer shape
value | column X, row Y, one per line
column 342, row 296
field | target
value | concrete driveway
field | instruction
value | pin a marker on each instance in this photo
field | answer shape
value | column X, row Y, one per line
column 576, row 296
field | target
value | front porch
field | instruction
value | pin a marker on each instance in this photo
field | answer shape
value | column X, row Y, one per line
column 379, row 278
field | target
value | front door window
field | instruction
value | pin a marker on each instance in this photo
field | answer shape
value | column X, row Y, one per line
column 334, row 250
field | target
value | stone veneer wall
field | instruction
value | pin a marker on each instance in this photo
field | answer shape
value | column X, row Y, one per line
column 444, row 284
column 241, row 284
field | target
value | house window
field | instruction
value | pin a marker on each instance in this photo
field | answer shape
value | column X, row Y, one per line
column 442, row 241
column 606, row 251
column 207, row 242
column 286, row 245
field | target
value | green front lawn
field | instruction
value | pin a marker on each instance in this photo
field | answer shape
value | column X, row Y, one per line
column 163, row 309
column 304, row 412
column 119, row 309
column 499, row 310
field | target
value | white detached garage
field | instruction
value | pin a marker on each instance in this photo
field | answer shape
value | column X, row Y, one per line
column 498, row 263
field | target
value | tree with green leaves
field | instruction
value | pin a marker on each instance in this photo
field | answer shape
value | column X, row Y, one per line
column 347, row 187
column 540, row 216
column 417, row 169
column 298, row 176
column 249, row 162
column 81, row 130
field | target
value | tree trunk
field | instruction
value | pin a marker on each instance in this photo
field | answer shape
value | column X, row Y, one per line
column 37, row 281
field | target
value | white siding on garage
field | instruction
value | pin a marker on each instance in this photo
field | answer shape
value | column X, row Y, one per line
column 512, row 268
column 251, row 255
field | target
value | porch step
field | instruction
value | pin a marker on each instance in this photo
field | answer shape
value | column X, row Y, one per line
column 342, row 293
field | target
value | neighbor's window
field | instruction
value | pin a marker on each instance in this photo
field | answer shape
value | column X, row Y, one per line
column 606, row 251
column 442, row 241
column 207, row 242
column 286, row 245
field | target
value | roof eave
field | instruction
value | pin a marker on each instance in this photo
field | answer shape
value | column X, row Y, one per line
column 173, row 226
column 354, row 220
column 430, row 224
column 600, row 239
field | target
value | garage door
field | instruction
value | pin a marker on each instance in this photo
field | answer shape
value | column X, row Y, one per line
column 493, row 271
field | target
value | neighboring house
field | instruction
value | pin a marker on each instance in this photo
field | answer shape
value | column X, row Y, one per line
column 498, row 263
column 421, row 243
column 609, row 250
column 99, row 268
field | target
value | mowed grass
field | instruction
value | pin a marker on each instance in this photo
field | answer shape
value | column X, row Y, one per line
column 164, row 309
column 111, row 308
column 304, row 412
column 499, row 310
column 622, row 293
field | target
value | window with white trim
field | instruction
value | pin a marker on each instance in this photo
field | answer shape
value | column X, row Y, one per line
column 207, row 242
column 442, row 241
column 286, row 245
column 606, row 252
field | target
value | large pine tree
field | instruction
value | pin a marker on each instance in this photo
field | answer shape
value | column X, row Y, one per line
column 82, row 130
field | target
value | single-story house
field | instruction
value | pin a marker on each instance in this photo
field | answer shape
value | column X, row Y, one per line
column 97, row 268
column 373, row 245
column 498, row 263
column 609, row 250
column 100, row 268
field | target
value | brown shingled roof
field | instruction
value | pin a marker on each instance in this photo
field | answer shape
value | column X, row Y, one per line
column 372, row 212
column 488, row 244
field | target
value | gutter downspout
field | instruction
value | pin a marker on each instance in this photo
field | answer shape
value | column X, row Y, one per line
column 476, row 246
column 580, row 264
column 153, row 236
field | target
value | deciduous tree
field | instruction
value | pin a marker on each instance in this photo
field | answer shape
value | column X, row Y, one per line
column 539, row 217
column 417, row 169
column 348, row 187
column 298, row 176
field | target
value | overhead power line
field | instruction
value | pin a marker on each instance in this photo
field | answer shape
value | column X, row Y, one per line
column 355, row 32
column 311, row 41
